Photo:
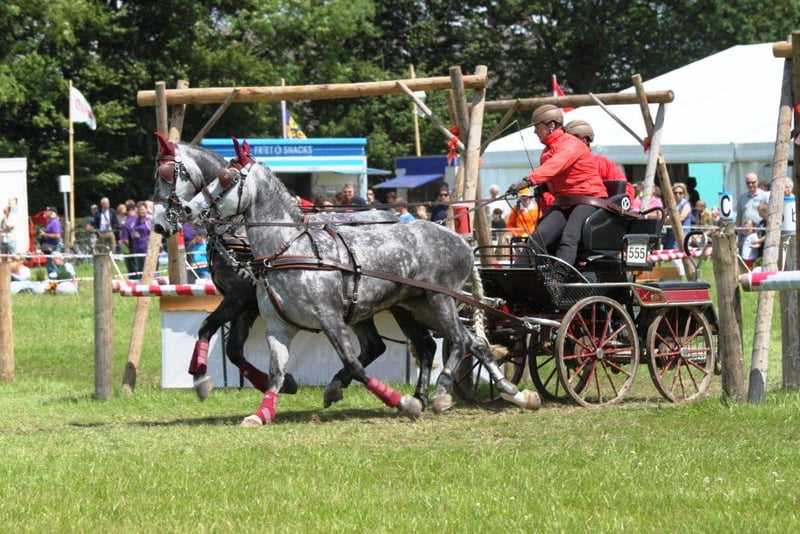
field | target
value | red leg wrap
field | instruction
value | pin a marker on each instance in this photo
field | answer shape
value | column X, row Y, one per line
column 385, row 393
column 260, row 380
column 266, row 412
column 199, row 364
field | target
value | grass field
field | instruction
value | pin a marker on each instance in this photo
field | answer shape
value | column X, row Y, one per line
column 160, row 461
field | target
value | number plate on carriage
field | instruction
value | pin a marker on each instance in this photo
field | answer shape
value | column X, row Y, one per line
column 636, row 254
column 637, row 248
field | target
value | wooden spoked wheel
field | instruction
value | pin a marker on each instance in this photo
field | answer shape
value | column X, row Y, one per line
column 597, row 351
column 680, row 350
column 471, row 380
column 544, row 372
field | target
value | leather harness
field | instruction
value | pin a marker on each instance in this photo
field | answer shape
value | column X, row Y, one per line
column 569, row 201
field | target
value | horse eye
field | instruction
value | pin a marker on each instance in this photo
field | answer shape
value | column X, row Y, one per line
column 166, row 171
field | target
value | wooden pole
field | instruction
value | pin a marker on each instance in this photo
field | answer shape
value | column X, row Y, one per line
column 652, row 158
column 153, row 247
column 471, row 172
column 215, row 117
column 7, row 366
column 782, row 49
column 462, row 121
column 574, row 101
column 789, row 320
column 729, row 307
column 795, row 55
column 176, row 251
column 415, row 118
column 500, row 125
column 69, row 218
column 103, row 326
column 430, row 115
column 329, row 91
column 666, row 183
column 766, row 299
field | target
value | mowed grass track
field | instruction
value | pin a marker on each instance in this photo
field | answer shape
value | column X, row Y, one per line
column 160, row 461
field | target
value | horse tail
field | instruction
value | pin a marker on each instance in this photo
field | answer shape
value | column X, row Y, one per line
column 478, row 316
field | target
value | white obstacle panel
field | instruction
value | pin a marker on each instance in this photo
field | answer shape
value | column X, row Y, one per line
column 312, row 359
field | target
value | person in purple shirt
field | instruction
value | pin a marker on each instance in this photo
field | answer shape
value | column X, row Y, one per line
column 51, row 237
column 135, row 235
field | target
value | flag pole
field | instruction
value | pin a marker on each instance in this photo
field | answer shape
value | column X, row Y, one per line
column 70, row 233
column 284, row 125
column 415, row 117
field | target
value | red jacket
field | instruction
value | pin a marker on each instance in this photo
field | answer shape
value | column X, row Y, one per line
column 610, row 171
column 568, row 168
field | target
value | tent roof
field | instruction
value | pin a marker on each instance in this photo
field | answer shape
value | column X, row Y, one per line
column 725, row 109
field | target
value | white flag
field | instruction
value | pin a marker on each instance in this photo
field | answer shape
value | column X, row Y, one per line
column 80, row 108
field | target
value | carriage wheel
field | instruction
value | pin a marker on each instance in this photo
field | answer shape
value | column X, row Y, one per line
column 471, row 380
column 680, row 349
column 597, row 351
column 544, row 372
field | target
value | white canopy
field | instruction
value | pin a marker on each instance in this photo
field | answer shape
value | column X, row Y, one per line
column 725, row 111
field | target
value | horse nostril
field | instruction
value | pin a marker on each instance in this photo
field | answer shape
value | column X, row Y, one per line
column 187, row 210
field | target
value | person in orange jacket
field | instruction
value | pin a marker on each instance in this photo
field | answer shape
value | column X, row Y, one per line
column 522, row 219
column 608, row 169
column 568, row 170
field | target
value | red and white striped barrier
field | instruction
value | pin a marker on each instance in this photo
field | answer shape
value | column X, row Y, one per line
column 675, row 254
column 156, row 290
column 770, row 281
column 117, row 284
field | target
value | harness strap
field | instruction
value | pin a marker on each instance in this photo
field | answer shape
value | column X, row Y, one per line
column 568, row 201
column 311, row 263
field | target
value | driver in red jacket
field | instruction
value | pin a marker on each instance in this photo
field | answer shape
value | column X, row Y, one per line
column 569, row 172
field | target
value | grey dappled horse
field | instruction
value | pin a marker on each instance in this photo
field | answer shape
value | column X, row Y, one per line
column 183, row 170
column 309, row 276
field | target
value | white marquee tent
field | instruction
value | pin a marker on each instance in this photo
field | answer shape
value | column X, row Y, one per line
column 725, row 111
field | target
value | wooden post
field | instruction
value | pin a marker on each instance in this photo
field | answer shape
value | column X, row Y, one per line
column 462, row 121
column 471, row 172
column 729, row 307
column 795, row 55
column 103, row 326
column 150, row 261
column 766, row 299
column 666, row 183
column 415, row 119
column 789, row 321
column 7, row 367
column 176, row 251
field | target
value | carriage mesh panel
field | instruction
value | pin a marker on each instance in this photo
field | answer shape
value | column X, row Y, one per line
column 554, row 274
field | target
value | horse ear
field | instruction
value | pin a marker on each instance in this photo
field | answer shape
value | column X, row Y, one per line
column 242, row 151
column 165, row 148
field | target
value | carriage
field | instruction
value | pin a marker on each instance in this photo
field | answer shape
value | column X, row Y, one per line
column 583, row 331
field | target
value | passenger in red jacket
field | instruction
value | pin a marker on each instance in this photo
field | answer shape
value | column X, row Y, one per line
column 608, row 169
column 569, row 172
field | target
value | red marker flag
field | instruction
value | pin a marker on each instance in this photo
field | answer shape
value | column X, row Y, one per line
column 558, row 91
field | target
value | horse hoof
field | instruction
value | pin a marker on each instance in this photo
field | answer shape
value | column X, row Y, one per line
column 203, row 386
column 251, row 421
column 289, row 384
column 333, row 394
column 442, row 402
column 526, row 399
column 410, row 407
column 532, row 400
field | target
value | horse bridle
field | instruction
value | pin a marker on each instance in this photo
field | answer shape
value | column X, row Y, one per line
column 228, row 178
column 169, row 168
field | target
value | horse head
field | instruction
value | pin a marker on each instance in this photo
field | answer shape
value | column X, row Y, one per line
column 181, row 171
column 236, row 188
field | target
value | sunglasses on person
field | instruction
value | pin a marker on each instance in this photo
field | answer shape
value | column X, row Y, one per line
column 678, row 192
column 444, row 194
